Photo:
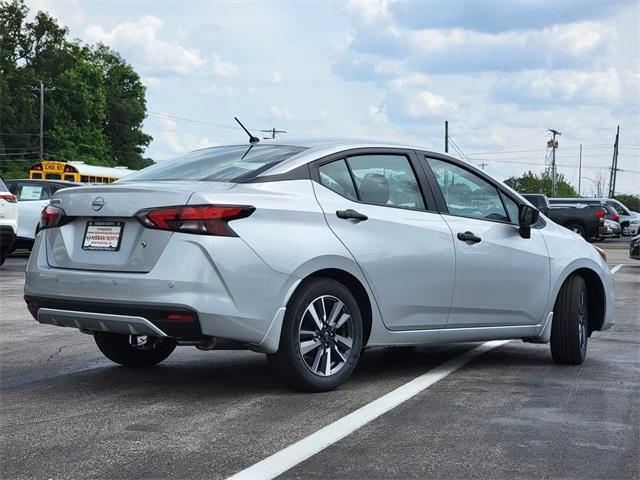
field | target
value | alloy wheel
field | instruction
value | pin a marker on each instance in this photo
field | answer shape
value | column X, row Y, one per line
column 582, row 320
column 325, row 335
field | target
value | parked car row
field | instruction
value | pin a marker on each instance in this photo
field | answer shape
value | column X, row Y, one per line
column 593, row 219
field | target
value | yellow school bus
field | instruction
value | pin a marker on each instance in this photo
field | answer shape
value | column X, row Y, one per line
column 77, row 172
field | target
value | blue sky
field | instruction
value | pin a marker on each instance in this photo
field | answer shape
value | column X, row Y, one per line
column 502, row 72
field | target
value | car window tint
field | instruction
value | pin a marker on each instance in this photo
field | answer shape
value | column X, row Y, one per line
column 466, row 194
column 335, row 176
column 217, row 164
column 386, row 180
column 512, row 208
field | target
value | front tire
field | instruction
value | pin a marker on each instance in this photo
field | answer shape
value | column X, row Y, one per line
column 134, row 350
column 321, row 338
column 570, row 327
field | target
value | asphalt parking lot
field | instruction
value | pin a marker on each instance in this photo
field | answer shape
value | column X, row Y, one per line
column 67, row 412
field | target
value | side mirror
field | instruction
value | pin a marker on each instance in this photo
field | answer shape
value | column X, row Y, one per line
column 527, row 216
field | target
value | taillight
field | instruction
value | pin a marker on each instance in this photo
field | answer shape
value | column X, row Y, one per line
column 198, row 219
column 615, row 217
column 53, row 217
column 8, row 197
column 600, row 213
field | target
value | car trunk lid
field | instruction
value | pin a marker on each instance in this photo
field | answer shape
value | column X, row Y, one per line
column 114, row 206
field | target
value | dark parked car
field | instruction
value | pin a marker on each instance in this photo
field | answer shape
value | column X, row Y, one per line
column 634, row 247
column 586, row 222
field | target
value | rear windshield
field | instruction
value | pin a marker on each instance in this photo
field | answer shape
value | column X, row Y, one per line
column 220, row 164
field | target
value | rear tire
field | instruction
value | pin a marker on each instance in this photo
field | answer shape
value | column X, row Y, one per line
column 318, row 355
column 577, row 228
column 132, row 350
column 570, row 327
column 3, row 256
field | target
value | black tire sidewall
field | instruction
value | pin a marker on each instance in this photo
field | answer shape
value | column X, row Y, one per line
column 117, row 348
column 565, row 341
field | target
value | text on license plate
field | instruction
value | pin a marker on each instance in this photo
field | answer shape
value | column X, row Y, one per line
column 103, row 236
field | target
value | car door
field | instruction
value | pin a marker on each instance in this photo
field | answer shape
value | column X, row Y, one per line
column 375, row 206
column 32, row 198
column 501, row 278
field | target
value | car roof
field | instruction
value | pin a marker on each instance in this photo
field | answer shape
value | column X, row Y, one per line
column 319, row 147
column 44, row 181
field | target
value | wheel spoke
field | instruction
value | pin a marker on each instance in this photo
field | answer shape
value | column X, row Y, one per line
column 308, row 346
column 343, row 319
column 337, row 350
column 335, row 311
column 324, row 310
column 316, row 361
column 327, row 367
column 308, row 332
column 347, row 342
column 312, row 311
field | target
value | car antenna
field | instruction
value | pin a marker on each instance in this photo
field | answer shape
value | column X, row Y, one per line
column 252, row 139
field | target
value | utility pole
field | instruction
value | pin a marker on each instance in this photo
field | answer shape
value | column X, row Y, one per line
column 42, row 89
column 553, row 144
column 483, row 164
column 580, row 172
column 272, row 132
column 446, row 136
column 614, row 166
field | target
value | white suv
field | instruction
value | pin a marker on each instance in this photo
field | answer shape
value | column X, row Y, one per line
column 8, row 220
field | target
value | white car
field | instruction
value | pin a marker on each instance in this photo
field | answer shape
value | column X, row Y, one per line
column 8, row 220
column 32, row 195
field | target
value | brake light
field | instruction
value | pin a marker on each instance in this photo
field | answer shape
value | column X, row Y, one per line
column 53, row 217
column 8, row 197
column 615, row 217
column 600, row 213
column 198, row 219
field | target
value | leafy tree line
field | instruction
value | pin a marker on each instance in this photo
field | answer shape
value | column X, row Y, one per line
column 94, row 106
column 541, row 183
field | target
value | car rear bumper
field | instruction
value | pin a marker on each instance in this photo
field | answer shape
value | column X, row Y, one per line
column 193, row 275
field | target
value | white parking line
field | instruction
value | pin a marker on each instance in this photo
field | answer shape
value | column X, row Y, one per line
column 616, row 268
column 292, row 455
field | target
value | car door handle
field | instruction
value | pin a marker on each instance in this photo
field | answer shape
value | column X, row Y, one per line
column 351, row 215
column 469, row 237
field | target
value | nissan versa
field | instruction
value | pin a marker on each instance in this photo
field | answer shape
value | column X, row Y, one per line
column 310, row 252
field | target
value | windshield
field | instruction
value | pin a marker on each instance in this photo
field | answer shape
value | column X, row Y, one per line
column 219, row 164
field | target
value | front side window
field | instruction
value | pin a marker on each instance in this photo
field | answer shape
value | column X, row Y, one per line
column 512, row 208
column 386, row 180
column 466, row 194
column 218, row 164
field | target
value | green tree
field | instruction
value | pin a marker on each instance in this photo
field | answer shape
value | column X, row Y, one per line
column 94, row 112
column 541, row 183
column 632, row 202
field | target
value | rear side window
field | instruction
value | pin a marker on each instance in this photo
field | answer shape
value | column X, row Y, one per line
column 3, row 187
column 219, row 164
column 335, row 176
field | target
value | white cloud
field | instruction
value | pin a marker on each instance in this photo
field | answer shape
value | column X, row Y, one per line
column 281, row 113
column 141, row 42
column 543, row 86
column 277, row 78
column 223, row 69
